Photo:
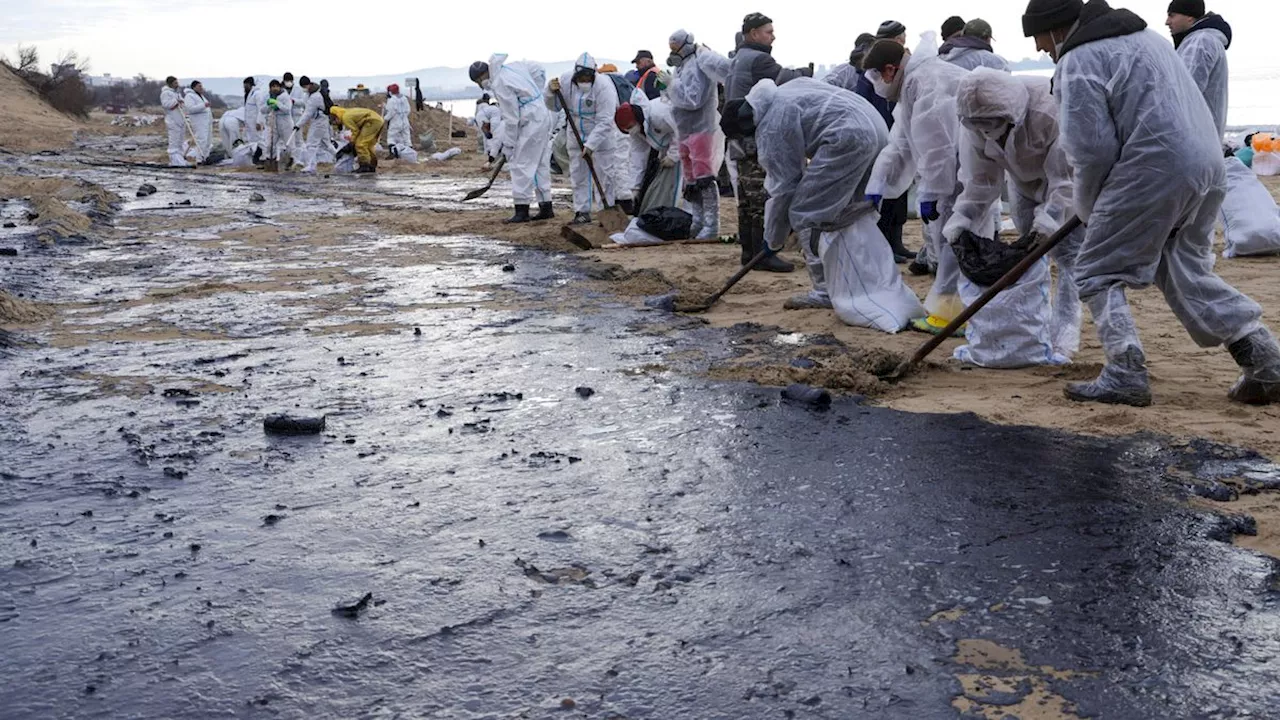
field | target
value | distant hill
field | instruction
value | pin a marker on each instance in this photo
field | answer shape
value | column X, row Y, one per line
column 1026, row 64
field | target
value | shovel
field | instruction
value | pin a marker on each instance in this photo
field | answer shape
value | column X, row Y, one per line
column 195, row 142
column 1008, row 279
column 705, row 305
column 480, row 191
column 613, row 219
column 272, row 163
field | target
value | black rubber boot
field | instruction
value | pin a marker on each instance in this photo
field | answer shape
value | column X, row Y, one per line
column 521, row 216
column 775, row 264
column 544, row 211
column 1259, row 358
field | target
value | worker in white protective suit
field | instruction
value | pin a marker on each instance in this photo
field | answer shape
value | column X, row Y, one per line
column 314, row 121
column 925, row 141
column 972, row 48
column 252, row 117
column 276, row 113
column 655, row 153
column 1010, row 129
column 231, row 128
column 200, row 116
column 396, row 115
column 817, row 144
column 174, row 123
column 592, row 103
column 489, row 124
column 1148, row 183
column 298, row 98
column 526, row 130
column 693, row 95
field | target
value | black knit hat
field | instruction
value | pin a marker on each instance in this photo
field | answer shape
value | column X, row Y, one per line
column 1045, row 15
column 891, row 29
column 1194, row 8
column 753, row 21
column 953, row 25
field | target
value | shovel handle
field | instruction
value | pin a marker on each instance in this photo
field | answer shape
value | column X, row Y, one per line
column 591, row 166
column 1005, row 281
column 742, row 272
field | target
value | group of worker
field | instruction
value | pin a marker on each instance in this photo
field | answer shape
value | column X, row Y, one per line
column 298, row 120
column 1126, row 137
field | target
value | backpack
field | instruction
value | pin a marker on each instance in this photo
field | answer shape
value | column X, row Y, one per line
column 623, row 87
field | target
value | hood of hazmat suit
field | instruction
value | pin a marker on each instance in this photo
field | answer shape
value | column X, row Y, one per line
column 971, row 53
column 926, row 129
column 1203, row 49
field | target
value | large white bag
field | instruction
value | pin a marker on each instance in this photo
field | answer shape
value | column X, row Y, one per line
column 865, row 286
column 1015, row 329
column 1250, row 219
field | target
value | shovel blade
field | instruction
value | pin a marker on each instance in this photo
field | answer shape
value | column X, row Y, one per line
column 568, row 232
column 475, row 193
column 613, row 220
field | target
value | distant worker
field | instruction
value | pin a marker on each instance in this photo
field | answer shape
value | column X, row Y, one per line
column 201, row 118
column 174, row 124
column 396, row 117
column 366, row 128
column 489, row 124
column 315, row 123
column 231, row 128
column 276, row 111
column 645, row 76
column 592, row 103
column 1202, row 40
column 298, row 99
column 1149, row 181
column 525, row 135
column 973, row 48
column 252, row 116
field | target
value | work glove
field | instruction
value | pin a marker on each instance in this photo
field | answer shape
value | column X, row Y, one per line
column 555, row 85
column 663, row 79
column 587, row 154
column 875, row 200
column 348, row 149
column 805, row 72
column 667, row 162
column 296, row 128
column 929, row 211
column 271, row 103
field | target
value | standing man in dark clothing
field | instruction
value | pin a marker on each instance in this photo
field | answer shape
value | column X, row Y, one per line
column 952, row 28
column 893, row 213
column 645, row 76
column 752, row 63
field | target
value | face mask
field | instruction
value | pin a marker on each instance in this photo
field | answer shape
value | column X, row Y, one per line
column 987, row 126
column 288, row 85
column 674, row 60
column 585, row 86
column 486, row 83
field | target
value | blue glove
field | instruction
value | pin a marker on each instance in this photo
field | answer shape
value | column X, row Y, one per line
column 929, row 211
column 876, row 200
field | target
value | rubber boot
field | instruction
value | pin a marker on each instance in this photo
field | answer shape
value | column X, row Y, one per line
column 772, row 263
column 1124, row 379
column 817, row 298
column 544, row 211
column 1258, row 356
column 900, row 252
column 581, row 218
column 521, row 216
column 694, row 197
column 710, row 214
column 745, row 239
column 920, row 264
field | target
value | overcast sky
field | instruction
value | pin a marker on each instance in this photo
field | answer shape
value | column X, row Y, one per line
column 194, row 38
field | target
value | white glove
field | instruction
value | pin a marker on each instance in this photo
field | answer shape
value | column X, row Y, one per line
column 667, row 162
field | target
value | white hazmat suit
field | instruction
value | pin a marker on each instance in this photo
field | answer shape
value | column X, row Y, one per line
column 1148, row 184
column 839, row 134
column 396, row 114
column 658, row 135
column 253, row 117
column 277, row 123
column 591, row 109
column 526, row 127
column 693, row 96
column 174, row 125
column 201, row 118
column 1011, row 130
column 231, row 128
column 315, row 122
column 925, row 140
column 490, row 114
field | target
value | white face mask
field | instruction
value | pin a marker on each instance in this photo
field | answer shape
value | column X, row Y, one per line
column 486, row 83
column 585, row 86
column 882, row 88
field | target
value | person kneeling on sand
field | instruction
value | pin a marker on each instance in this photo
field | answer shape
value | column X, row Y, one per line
column 817, row 144
column 1149, row 204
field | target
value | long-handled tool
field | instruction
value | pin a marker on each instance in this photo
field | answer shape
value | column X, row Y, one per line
column 480, row 191
column 195, row 142
column 1005, row 281
column 705, row 305
column 612, row 218
column 273, row 163
column 287, row 154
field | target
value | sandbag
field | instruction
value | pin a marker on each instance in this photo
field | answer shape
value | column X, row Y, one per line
column 666, row 189
column 667, row 223
column 865, row 286
column 1015, row 329
column 1250, row 219
column 345, row 164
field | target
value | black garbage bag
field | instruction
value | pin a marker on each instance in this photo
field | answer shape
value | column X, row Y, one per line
column 667, row 223
column 984, row 260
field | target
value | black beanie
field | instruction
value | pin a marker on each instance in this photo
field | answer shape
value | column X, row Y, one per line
column 1045, row 15
column 1194, row 8
column 753, row 21
column 953, row 25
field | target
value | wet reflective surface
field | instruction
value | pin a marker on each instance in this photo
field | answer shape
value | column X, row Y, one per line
column 662, row 547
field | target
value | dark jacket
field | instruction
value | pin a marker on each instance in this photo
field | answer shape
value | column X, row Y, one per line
column 854, row 80
column 1212, row 21
column 751, row 64
column 1099, row 22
